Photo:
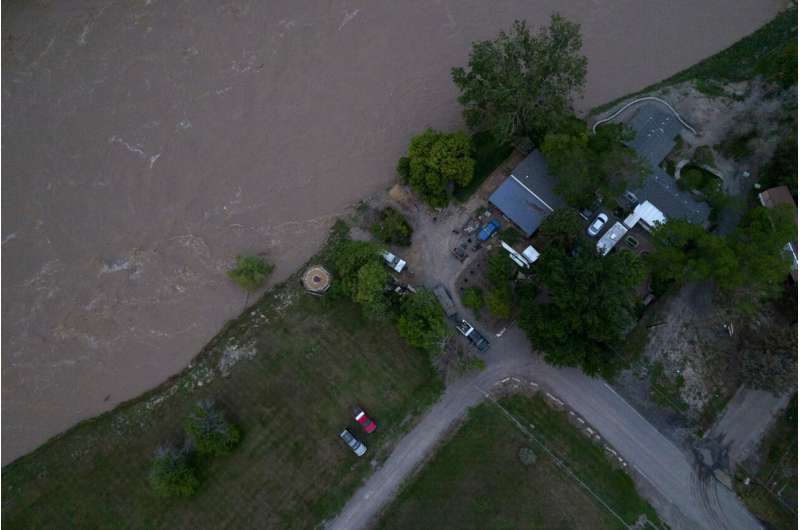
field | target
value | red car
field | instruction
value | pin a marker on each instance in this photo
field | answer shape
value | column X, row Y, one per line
column 367, row 424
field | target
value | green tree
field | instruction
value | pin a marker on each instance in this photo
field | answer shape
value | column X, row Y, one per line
column 560, row 229
column 499, row 268
column 685, row 252
column 370, row 290
column 592, row 166
column 361, row 276
column 171, row 473
column 434, row 161
column 209, row 431
column 500, row 301
column 392, row 228
column 522, row 85
column 250, row 272
column 472, row 297
column 421, row 322
column 590, row 306
column 758, row 245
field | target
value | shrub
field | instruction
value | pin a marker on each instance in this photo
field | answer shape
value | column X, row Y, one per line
column 250, row 272
column 703, row 155
column 422, row 323
column 171, row 473
column 737, row 146
column 472, row 298
column 392, row 228
column 499, row 300
column 208, row 429
column 510, row 235
column 499, row 268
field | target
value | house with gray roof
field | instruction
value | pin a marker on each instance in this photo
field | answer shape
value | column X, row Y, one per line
column 527, row 196
column 656, row 131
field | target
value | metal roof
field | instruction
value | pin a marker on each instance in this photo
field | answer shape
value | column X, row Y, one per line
column 528, row 196
column 662, row 190
column 655, row 133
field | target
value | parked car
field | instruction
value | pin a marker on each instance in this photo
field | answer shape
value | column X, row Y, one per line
column 597, row 225
column 353, row 443
column 473, row 335
column 393, row 261
column 366, row 423
column 490, row 228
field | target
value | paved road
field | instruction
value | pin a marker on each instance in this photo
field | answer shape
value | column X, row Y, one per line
column 667, row 477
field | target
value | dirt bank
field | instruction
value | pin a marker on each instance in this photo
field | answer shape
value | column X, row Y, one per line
column 147, row 143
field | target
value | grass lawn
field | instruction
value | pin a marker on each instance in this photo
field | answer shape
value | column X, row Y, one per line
column 312, row 359
column 772, row 493
column 476, row 480
column 770, row 51
column 488, row 155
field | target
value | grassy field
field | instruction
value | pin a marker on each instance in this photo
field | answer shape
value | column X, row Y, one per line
column 772, row 493
column 304, row 362
column 476, row 480
column 770, row 51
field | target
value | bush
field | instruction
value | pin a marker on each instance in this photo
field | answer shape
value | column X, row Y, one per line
column 499, row 268
column 704, row 156
column 422, row 323
column 250, row 272
column 171, row 473
column 500, row 300
column 738, row 147
column 392, row 228
column 472, row 298
column 510, row 235
column 209, row 431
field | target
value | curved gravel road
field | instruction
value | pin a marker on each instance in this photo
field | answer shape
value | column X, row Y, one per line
column 665, row 475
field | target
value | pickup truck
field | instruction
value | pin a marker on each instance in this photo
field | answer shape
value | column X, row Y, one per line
column 490, row 228
column 472, row 334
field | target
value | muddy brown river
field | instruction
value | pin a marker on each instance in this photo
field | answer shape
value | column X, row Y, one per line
column 146, row 143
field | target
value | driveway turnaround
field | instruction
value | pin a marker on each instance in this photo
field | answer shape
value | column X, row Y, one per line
column 666, row 476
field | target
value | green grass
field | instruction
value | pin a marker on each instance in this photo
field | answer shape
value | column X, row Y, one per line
column 770, row 51
column 488, row 155
column 476, row 479
column 774, row 487
column 313, row 360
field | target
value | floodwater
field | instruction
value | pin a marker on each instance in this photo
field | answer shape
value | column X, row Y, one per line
column 146, row 143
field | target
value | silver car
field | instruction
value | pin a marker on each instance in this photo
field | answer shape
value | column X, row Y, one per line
column 597, row 225
column 354, row 443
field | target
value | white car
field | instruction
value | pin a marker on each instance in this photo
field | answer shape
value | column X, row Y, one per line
column 393, row 261
column 353, row 443
column 597, row 225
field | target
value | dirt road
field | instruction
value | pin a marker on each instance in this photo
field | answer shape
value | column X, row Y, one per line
column 666, row 476
column 147, row 143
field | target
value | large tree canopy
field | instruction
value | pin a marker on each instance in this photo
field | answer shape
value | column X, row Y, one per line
column 434, row 161
column 589, row 307
column 751, row 261
column 522, row 84
column 592, row 166
column 421, row 321
column 361, row 276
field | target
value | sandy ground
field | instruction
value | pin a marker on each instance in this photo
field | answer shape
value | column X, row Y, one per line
column 147, row 143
